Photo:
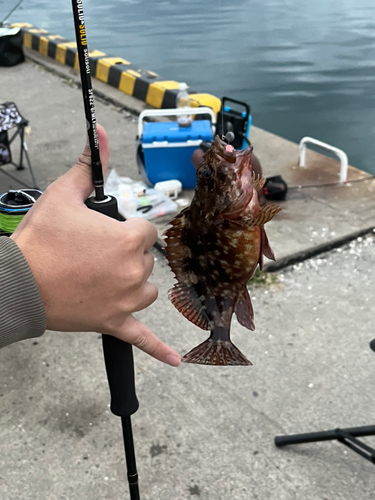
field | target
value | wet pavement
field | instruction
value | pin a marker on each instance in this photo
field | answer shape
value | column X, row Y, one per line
column 205, row 432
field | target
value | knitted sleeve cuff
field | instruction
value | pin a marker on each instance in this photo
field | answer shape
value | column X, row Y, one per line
column 22, row 313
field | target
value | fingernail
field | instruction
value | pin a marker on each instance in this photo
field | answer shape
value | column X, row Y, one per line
column 173, row 359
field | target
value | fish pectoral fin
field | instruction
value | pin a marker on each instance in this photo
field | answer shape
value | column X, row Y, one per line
column 258, row 181
column 186, row 301
column 265, row 248
column 265, row 245
column 244, row 311
column 266, row 214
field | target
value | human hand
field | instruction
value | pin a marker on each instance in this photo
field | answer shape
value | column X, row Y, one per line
column 91, row 270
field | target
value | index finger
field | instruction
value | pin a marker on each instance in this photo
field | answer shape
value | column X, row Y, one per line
column 136, row 333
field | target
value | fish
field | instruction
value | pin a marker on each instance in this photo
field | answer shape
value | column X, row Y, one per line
column 213, row 248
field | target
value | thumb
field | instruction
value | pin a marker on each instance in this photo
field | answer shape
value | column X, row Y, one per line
column 79, row 178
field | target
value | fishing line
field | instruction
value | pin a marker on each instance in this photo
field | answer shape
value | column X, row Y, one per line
column 11, row 12
column 330, row 184
column 222, row 102
column 229, row 136
column 14, row 205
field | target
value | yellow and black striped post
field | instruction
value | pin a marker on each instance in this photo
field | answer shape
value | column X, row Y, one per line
column 144, row 85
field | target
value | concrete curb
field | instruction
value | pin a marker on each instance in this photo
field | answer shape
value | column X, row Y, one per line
column 144, row 85
column 296, row 258
column 309, row 253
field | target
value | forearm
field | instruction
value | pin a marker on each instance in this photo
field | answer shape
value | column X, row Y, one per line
column 22, row 313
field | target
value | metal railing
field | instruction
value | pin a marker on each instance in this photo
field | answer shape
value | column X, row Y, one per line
column 338, row 152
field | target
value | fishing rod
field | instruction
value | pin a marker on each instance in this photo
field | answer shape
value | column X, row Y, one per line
column 118, row 355
column 10, row 13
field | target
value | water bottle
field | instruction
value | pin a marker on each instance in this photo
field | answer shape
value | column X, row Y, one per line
column 183, row 101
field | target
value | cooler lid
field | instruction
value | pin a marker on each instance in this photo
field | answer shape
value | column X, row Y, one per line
column 172, row 132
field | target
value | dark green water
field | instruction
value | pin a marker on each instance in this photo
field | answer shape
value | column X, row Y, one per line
column 306, row 68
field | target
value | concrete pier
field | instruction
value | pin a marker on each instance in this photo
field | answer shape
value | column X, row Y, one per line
column 201, row 432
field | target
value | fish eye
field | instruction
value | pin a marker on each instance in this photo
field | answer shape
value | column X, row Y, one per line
column 207, row 172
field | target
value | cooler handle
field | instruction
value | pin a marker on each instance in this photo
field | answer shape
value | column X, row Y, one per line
column 240, row 103
column 175, row 112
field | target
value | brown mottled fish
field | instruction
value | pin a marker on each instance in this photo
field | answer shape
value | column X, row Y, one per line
column 214, row 246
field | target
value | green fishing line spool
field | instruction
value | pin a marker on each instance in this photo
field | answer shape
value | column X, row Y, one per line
column 14, row 205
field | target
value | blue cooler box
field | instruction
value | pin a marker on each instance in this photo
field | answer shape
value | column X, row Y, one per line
column 167, row 150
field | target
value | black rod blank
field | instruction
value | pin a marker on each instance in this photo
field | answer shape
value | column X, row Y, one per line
column 130, row 458
column 88, row 98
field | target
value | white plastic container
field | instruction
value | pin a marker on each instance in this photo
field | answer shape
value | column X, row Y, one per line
column 170, row 188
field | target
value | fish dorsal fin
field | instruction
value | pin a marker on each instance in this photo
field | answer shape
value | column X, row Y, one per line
column 257, row 181
column 266, row 214
column 244, row 311
column 186, row 301
column 176, row 245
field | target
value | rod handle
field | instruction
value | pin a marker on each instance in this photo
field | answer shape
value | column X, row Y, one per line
column 118, row 355
column 106, row 207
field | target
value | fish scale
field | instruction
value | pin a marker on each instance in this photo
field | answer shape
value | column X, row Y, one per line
column 213, row 248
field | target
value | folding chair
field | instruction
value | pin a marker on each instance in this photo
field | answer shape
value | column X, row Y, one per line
column 10, row 118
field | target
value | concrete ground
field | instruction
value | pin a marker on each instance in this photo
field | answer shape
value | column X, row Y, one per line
column 200, row 432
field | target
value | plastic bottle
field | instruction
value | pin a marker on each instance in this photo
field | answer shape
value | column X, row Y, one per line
column 183, row 101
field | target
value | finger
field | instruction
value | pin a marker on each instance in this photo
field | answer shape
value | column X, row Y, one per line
column 136, row 333
column 149, row 262
column 144, row 297
column 79, row 178
column 146, row 232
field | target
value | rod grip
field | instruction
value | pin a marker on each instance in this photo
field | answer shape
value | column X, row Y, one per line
column 107, row 207
column 118, row 355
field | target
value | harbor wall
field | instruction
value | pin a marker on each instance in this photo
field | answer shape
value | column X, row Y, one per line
column 117, row 72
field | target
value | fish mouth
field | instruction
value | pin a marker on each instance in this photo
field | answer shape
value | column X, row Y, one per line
column 241, row 164
column 243, row 157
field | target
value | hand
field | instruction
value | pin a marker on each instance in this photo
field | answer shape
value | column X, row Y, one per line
column 91, row 270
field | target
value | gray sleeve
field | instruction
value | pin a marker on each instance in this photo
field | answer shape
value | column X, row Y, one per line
column 22, row 313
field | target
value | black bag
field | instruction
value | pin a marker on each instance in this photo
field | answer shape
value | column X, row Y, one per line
column 11, row 51
column 275, row 188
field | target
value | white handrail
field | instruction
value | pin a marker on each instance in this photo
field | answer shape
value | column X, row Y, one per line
column 338, row 152
column 175, row 112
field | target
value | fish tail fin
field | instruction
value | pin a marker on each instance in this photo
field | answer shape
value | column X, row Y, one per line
column 216, row 352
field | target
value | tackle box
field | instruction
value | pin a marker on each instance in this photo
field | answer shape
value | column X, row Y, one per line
column 166, row 148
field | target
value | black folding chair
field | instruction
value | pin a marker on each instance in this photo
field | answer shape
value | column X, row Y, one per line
column 11, row 118
column 348, row 437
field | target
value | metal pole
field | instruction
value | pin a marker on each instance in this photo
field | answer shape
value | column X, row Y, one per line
column 312, row 437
